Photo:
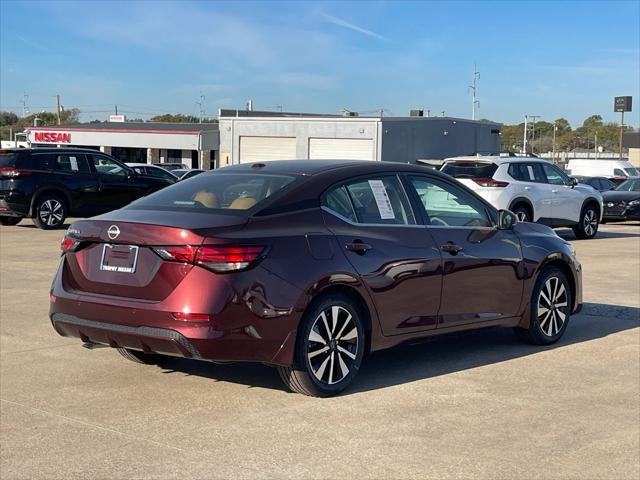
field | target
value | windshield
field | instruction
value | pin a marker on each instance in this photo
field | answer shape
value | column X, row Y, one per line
column 469, row 169
column 632, row 171
column 631, row 185
column 216, row 191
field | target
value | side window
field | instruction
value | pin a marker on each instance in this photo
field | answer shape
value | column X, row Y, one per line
column 70, row 163
column 536, row 172
column 139, row 170
column 519, row 171
column 337, row 199
column 107, row 166
column 160, row 173
column 618, row 172
column 381, row 201
column 450, row 206
column 554, row 175
column 43, row 161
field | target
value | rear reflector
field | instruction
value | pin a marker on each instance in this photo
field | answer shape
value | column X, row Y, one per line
column 219, row 259
column 191, row 317
column 490, row 182
column 68, row 244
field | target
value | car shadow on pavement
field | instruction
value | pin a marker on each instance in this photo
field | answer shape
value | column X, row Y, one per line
column 433, row 357
column 569, row 235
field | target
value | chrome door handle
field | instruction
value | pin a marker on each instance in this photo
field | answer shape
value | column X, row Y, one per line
column 554, row 191
column 527, row 188
column 451, row 248
column 358, row 247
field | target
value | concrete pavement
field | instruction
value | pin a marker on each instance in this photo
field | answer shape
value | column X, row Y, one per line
column 478, row 405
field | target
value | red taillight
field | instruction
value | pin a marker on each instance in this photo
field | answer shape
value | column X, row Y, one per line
column 68, row 244
column 12, row 172
column 191, row 317
column 220, row 259
column 490, row 182
column 185, row 253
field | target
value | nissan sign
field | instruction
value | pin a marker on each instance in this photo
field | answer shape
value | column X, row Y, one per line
column 51, row 137
column 622, row 104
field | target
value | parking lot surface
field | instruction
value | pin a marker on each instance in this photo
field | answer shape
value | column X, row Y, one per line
column 477, row 405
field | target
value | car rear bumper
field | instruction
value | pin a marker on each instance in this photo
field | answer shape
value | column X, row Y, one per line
column 10, row 209
column 241, row 326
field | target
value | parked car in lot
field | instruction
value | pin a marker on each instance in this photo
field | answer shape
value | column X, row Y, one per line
column 49, row 184
column 602, row 184
column 183, row 174
column 615, row 169
column 153, row 171
column 172, row 166
column 308, row 266
column 623, row 203
column 534, row 189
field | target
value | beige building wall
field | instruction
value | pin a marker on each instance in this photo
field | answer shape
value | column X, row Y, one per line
column 634, row 157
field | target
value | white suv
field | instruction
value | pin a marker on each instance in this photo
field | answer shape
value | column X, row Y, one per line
column 535, row 189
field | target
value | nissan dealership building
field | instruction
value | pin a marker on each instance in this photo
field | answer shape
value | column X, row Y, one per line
column 194, row 144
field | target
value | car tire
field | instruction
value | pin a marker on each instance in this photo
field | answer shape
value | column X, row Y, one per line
column 523, row 213
column 329, row 349
column 10, row 221
column 589, row 222
column 50, row 212
column 550, row 308
column 141, row 357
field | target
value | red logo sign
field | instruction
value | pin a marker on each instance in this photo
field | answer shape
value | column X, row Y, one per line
column 53, row 137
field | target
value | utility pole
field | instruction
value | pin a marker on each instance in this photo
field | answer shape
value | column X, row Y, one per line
column 595, row 145
column 621, row 130
column 116, row 109
column 201, row 107
column 555, row 129
column 381, row 111
column 474, row 90
column 25, row 107
column 533, row 129
column 524, row 140
column 58, row 109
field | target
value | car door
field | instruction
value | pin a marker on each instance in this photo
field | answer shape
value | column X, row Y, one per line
column 396, row 258
column 481, row 265
column 70, row 173
column 117, row 185
column 567, row 202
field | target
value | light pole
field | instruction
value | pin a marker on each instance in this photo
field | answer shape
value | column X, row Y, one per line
column 555, row 129
column 524, row 141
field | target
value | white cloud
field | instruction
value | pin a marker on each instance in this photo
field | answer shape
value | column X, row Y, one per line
column 351, row 26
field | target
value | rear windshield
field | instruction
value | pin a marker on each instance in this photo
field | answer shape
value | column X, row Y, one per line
column 469, row 169
column 233, row 192
column 7, row 159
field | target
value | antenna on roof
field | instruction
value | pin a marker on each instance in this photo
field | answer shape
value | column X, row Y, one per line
column 474, row 91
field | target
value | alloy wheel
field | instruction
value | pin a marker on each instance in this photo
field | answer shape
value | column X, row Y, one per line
column 332, row 345
column 590, row 222
column 51, row 212
column 552, row 306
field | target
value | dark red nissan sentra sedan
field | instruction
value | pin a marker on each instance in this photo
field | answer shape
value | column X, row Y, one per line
column 308, row 266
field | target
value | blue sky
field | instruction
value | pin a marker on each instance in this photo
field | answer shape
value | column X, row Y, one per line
column 543, row 58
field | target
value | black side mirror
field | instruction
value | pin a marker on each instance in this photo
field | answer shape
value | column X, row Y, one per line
column 573, row 181
column 506, row 219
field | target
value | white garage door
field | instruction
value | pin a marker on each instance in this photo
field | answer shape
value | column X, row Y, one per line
column 341, row 148
column 262, row 149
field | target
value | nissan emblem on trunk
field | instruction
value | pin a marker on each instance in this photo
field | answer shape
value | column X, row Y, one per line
column 113, row 232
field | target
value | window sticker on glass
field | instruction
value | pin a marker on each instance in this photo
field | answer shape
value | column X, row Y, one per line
column 531, row 175
column 382, row 199
column 74, row 163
